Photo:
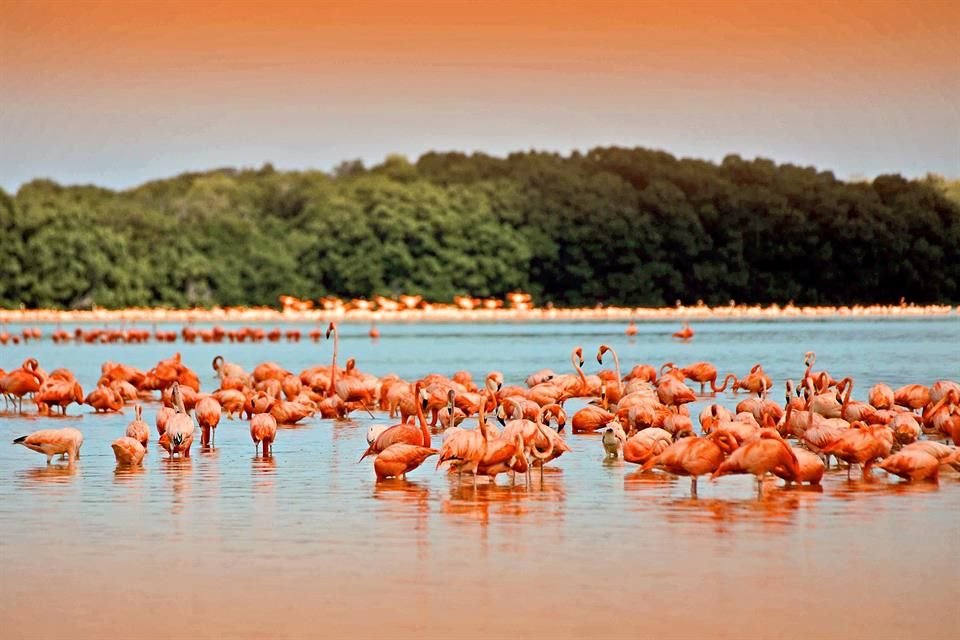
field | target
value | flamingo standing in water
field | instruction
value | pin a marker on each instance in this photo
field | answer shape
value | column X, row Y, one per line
column 128, row 451
column 208, row 412
column 400, row 458
column 912, row 465
column 138, row 429
column 674, row 393
column 180, row 427
column 465, row 448
column 332, row 406
column 760, row 457
column 646, row 444
column 263, row 429
column 861, row 444
column 703, row 372
column 685, row 333
column 50, row 442
column 21, row 382
column 417, row 435
column 631, row 329
column 691, row 456
column 616, row 393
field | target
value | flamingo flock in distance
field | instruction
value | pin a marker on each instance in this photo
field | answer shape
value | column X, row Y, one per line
column 641, row 415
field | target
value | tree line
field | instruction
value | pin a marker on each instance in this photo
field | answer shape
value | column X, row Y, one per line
column 617, row 226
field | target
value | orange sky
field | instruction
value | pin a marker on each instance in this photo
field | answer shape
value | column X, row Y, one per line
column 119, row 92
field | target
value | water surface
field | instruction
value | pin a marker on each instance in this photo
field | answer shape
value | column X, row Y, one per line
column 307, row 543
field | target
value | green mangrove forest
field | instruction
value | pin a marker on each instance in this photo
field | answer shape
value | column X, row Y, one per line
column 624, row 226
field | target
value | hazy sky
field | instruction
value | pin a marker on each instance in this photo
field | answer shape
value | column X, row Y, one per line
column 116, row 93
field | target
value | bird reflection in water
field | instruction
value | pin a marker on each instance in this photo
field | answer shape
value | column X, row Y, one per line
column 52, row 474
column 857, row 487
column 264, row 470
column 774, row 511
column 126, row 473
column 640, row 479
column 407, row 501
column 516, row 500
column 179, row 471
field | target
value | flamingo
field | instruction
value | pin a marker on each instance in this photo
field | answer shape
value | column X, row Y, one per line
column 861, row 444
column 761, row 457
column 685, row 333
column 691, row 456
column 399, row 459
column 60, row 393
column 646, row 444
column 576, row 384
column 540, row 377
column 881, row 396
column 230, row 370
column 810, row 468
column 712, row 415
column 128, row 451
column 641, row 372
column 851, row 410
column 138, row 429
column 826, row 403
column 21, row 382
column 631, row 329
column 912, row 465
column 263, row 429
column 905, row 428
column 548, row 440
column 942, row 452
column 50, row 442
column 465, row 448
column 941, row 388
column 674, row 393
column 104, row 400
column 208, row 413
column 939, row 414
column 757, row 381
column 618, row 394
column 535, row 434
column 703, row 372
column 591, row 418
column 180, row 427
column 231, row 401
column 418, row 435
column 912, row 396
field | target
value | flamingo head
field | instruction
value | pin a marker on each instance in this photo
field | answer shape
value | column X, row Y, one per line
column 424, row 398
column 600, row 353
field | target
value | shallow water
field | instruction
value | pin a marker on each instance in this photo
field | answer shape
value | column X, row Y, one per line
column 307, row 543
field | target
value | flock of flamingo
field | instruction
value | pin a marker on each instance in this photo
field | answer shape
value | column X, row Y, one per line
column 188, row 334
column 642, row 417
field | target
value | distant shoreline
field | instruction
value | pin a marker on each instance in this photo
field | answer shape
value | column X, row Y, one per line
column 448, row 314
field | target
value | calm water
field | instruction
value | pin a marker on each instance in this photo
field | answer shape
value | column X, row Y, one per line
column 307, row 544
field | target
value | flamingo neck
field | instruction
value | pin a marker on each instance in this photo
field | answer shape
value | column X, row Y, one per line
column 424, row 431
column 333, row 365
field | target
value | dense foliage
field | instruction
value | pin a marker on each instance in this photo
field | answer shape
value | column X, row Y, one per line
column 617, row 226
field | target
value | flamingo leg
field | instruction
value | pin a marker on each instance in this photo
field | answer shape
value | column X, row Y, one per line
column 693, row 486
